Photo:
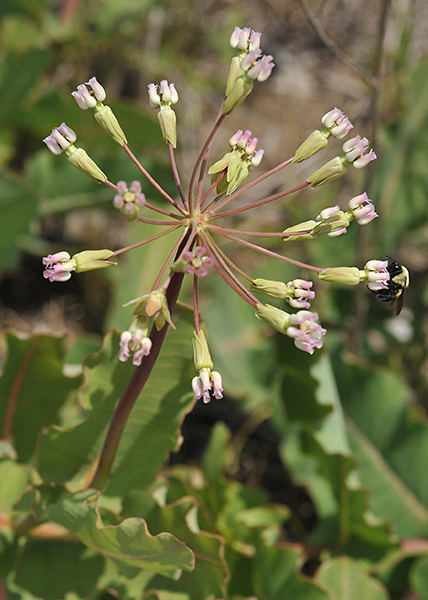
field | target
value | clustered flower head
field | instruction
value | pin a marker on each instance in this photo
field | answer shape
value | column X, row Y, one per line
column 194, row 262
column 249, row 64
column 135, row 340
column 195, row 218
column 129, row 200
column 236, row 165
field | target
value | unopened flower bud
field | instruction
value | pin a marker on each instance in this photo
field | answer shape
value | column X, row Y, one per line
column 168, row 124
column 314, row 143
column 332, row 222
column 274, row 317
column 89, row 260
column 237, row 94
column 343, row 275
column 108, row 121
column 201, row 354
column 274, row 289
column 80, row 159
column 328, row 172
column 301, row 231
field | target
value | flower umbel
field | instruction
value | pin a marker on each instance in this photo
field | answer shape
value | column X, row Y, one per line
column 195, row 216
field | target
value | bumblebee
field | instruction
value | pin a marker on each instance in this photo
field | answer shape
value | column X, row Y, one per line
column 398, row 281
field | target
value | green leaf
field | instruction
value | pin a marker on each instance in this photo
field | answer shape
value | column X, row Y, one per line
column 210, row 573
column 129, row 545
column 14, row 90
column 345, row 578
column 152, row 430
column 18, row 204
column 388, row 434
column 275, row 575
column 32, row 389
column 419, row 578
column 318, row 454
column 76, row 569
column 14, row 479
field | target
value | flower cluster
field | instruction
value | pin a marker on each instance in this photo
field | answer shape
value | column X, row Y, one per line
column 129, row 200
column 194, row 262
column 195, row 214
column 235, row 166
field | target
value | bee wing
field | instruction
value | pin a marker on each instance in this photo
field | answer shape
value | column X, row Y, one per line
column 399, row 304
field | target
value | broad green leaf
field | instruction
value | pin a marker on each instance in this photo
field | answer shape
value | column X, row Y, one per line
column 14, row 90
column 75, row 569
column 275, row 575
column 419, row 578
column 129, row 545
column 152, row 430
column 18, row 204
column 13, row 481
column 32, row 389
column 210, row 573
column 388, row 435
column 345, row 578
column 318, row 454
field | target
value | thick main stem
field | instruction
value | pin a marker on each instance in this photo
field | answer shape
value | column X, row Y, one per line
column 133, row 390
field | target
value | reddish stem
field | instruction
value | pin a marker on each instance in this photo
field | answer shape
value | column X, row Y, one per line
column 211, row 246
column 255, row 182
column 218, row 121
column 177, row 176
column 133, row 390
column 260, row 202
column 146, row 241
column 266, row 251
column 152, row 181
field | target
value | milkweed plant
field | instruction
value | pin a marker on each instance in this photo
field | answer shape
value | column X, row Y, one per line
column 199, row 213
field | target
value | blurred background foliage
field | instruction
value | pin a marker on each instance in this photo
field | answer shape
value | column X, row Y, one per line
column 310, row 474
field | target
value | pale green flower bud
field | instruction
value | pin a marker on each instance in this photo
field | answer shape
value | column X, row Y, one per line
column 80, row 159
column 234, row 72
column 332, row 226
column 89, row 260
column 240, row 90
column 274, row 289
column 318, row 140
column 221, row 164
column 275, row 317
column 201, row 354
column 108, row 121
column 305, row 226
column 167, row 121
column 343, row 275
column 328, row 172
column 238, row 177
